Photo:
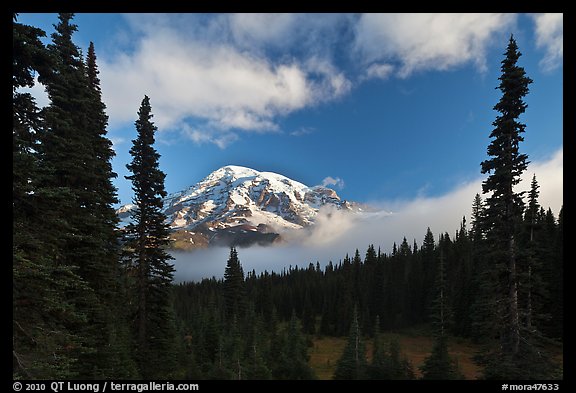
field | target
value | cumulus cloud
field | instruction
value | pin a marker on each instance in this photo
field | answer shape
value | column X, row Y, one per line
column 550, row 37
column 260, row 29
column 190, row 76
column 421, row 42
column 333, row 181
column 225, row 74
column 337, row 233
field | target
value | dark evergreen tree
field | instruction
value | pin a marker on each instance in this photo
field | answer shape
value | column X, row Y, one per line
column 289, row 354
column 387, row 362
column 532, row 256
column 379, row 365
column 517, row 356
column 113, row 355
column 146, row 257
column 555, row 328
column 73, row 182
column 429, row 263
column 440, row 365
column 255, row 350
column 504, row 206
column 477, row 231
column 484, row 305
column 234, row 287
column 400, row 367
column 353, row 364
column 44, row 316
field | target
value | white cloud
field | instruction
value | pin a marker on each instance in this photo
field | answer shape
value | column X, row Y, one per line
column 550, row 36
column 220, row 138
column 381, row 71
column 260, row 29
column 420, row 42
column 333, row 181
column 212, row 81
column 231, row 73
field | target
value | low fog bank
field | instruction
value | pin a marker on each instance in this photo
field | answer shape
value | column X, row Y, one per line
column 338, row 233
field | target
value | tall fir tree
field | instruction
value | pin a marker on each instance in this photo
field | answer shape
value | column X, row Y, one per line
column 532, row 261
column 147, row 259
column 517, row 356
column 44, row 315
column 113, row 355
column 234, row 287
column 504, row 206
column 77, row 177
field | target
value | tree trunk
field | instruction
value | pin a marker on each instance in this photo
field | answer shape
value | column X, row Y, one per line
column 513, row 320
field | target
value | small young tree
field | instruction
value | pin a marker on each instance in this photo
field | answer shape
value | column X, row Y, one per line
column 353, row 364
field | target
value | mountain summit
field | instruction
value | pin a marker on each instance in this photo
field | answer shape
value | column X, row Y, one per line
column 239, row 205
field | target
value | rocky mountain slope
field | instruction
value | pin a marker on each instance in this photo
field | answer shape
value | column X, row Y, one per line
column 242, row 206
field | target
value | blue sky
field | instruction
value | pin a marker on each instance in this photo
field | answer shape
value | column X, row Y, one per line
column 384, row 108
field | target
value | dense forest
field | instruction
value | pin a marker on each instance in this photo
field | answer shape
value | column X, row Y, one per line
column 91, row 301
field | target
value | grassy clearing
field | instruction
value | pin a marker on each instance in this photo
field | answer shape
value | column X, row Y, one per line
column 324, row 354
column 326, row 351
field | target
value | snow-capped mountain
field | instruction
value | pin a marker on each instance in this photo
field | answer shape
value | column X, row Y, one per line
column 241, row 205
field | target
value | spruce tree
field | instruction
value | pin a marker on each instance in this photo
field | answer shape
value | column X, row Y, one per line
column 504, row 206
column 400, row 367
column 440, row 365
column 516, row 356
column 353, row 364
column 114, row 349
column 388, row 363
column 74, row 182
column 255, row 349
column 289, row 353
column 44, row 316
column 234, row 287
column 556, row 283
column 146, row 258
column 532, row 258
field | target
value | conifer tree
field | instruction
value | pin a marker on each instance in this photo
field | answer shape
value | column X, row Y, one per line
column 292, row 362
column 400, row 367
column 76, row 179
column 504, row 206
column 353, row 364
column 387, row 362
column 234, row 287
column 556, row 284
column 146, row 258
column 113, row 356
column 517, row 356
column 440, row 365
column 44, row 316
column 532, row 259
